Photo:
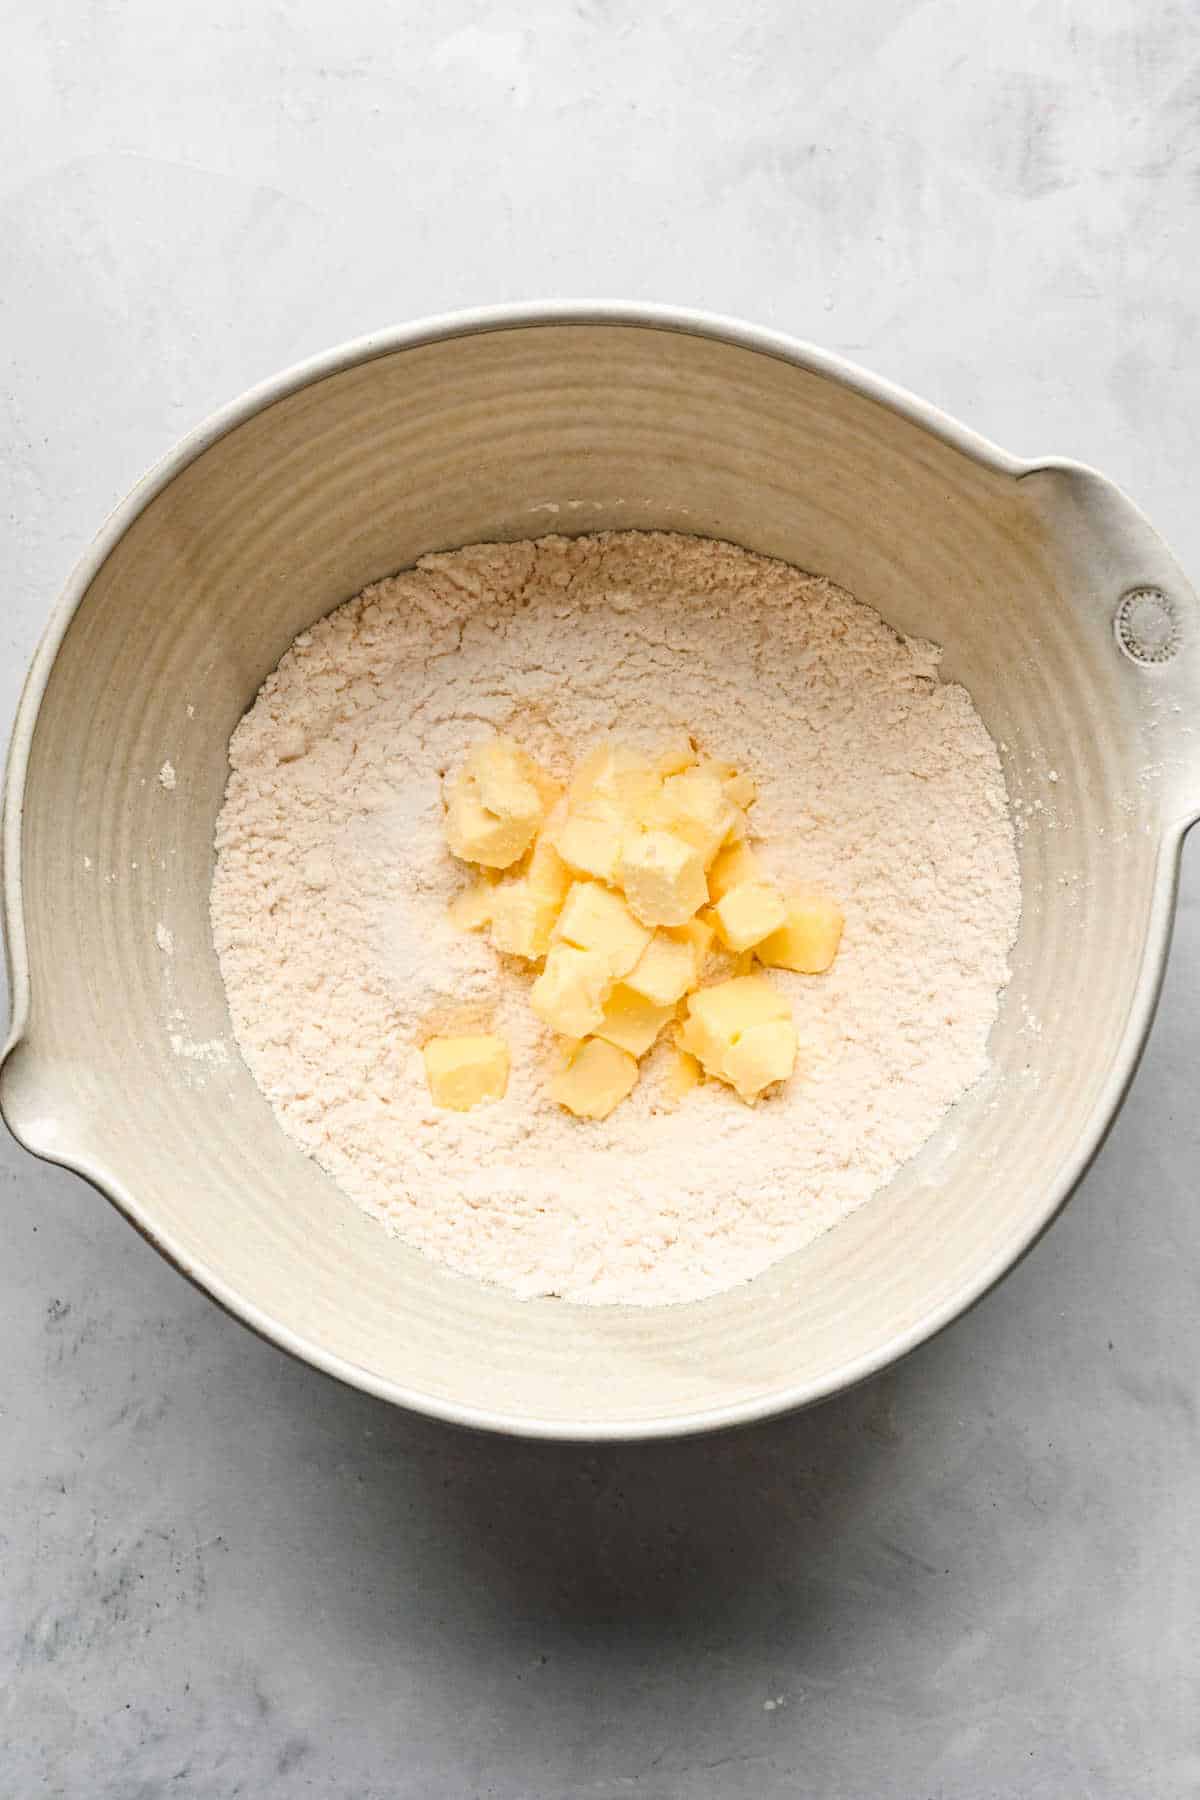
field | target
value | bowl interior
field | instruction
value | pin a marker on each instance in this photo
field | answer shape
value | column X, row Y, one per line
column 127, row 1069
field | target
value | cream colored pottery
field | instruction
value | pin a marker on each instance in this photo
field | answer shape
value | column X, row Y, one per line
column 508, row 424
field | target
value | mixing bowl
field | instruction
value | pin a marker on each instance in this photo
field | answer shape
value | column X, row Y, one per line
column 1058, row 606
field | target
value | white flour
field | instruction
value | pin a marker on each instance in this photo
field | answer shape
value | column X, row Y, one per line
column 332, row 880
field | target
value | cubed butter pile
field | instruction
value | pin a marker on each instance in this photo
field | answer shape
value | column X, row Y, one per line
column 620, row 889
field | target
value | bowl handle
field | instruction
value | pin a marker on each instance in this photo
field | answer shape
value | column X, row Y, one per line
column 1144, row 603
column 31, row 1122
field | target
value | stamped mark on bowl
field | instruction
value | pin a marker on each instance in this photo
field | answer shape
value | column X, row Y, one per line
column 1146, row 625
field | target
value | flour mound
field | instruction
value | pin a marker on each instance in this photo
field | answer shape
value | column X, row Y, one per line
column 877, row 781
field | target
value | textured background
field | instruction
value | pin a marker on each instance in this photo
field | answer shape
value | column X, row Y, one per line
column 219, row 1573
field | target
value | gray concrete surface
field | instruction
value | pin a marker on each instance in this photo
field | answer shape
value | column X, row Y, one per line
column 222, row 1575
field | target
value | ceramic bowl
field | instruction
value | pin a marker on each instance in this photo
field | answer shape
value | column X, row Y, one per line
column 1058, row 607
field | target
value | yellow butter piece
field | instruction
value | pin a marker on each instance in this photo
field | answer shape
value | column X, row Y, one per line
column 763, row 1054
column 683, row 1075
column 589, row 840
column 719, row 1017
column 749, row 913
column 472, row 909
column 507, row 779
column 665, row 971
column 477, row 835
column 617, row 775
column 631, row 1021
column 547, row 873
column 809, row 938
column 734, row 866
column 663, row 877
column 549, row 790
column 594, row 918
column 695, row 806
column 597, row 1078
column 589, row 774
column 522, row 919
column 570, row 992
column 698, row 935
column 728, row 1008
column 463, row 1071
column 740, row 789
column 716, row 765
column 677, row 753
column 494, row 807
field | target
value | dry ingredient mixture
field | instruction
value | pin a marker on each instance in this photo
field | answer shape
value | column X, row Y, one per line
column 333, row 886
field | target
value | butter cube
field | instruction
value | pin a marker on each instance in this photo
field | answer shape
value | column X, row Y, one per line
column 549, row 790
column 547, row 873
column 740, row 789
column 663, row 877
column 509, row 781
column 695, row 806
column 809, row 937
column 762, row 1055
column 477, row 835
column 522, row 919
column 720, row 1017
column 462, row 1071
column 589, row 840
column 724, row 1011
column 592, row 772
column 594, row 918
column 677, row 754
column 665, row 971
column 472, row 909
column 618, row 775
column 597, row 1078
column 570, row 992
column 698, row 935
column 749, row 913
column 494, row 807
column 734, row 866
column 631, row 1021
column 683, row 1075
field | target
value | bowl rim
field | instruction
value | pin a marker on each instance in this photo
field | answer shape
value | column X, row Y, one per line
column 437, row 329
